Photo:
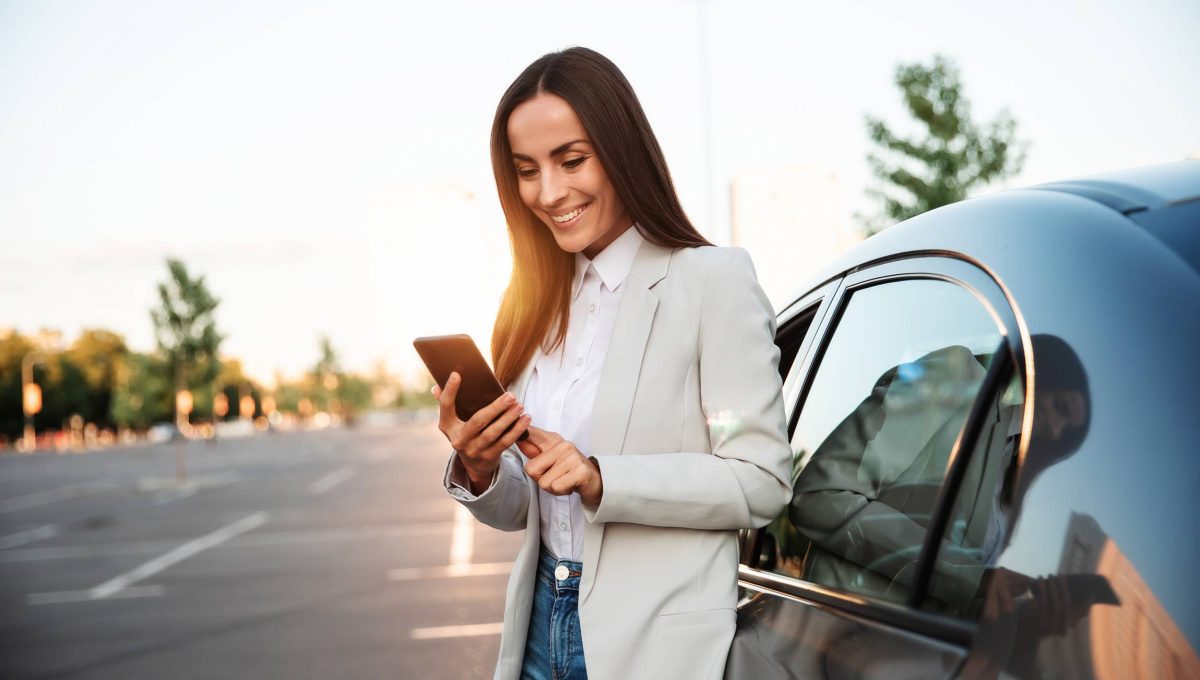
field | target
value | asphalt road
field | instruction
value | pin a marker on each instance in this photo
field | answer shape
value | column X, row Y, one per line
column 331, row 554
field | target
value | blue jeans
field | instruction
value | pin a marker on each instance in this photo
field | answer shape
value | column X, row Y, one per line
column 554, row 647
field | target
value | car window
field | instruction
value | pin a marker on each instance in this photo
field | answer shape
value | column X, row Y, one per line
column 980, row 513
column 890, row 394
column 791, row 336
column 1072, row 559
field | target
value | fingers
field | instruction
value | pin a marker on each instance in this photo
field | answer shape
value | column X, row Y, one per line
column 529, row 449
column 509, row 437
column 573, row 478
column 560, row 470
column 487, row 414
column 446, row 399
column 536, row 467
column 493, row 432
column 543, row 439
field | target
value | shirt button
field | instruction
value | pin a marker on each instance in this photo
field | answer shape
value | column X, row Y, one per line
column 561, row 573
column 562, row 525
column 592, row 308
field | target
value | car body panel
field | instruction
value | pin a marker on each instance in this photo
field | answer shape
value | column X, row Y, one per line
column 1127, row 302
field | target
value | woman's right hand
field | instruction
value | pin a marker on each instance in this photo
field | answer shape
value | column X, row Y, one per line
column 480, row 440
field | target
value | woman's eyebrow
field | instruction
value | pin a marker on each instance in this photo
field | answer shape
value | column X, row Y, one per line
column 554, row 152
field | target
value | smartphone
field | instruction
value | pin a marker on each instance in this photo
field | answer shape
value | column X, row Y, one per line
column 444, row 354
column 1090, row 589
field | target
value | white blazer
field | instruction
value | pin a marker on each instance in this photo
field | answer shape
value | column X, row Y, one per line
column 688, row 429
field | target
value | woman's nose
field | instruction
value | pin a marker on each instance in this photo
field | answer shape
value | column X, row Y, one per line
column 553, row 190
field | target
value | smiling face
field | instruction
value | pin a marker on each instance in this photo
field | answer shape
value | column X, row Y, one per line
column 560, row 177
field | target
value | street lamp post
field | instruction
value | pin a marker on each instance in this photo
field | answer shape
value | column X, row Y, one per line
column 220, row 406
column 31, row 396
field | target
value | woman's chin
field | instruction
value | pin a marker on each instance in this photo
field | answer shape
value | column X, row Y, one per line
column 568, row 243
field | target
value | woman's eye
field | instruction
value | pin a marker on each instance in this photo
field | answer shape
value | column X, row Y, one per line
column 526, row 173
column 574, row 162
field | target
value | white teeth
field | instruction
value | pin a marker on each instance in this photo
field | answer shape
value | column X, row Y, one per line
column 569, row 216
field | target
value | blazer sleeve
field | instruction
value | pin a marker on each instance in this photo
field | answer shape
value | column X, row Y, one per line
column 505, row 504
column 745, row 481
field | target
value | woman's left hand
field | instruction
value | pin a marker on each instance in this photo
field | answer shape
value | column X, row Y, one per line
column 560, row 468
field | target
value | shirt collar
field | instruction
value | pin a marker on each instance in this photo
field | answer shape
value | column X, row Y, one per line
column 613, row 264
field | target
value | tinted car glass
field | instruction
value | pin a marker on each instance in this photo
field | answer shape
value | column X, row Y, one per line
column 1079, row 584
column 890, row 395
column 980, row 513
column 791, row 336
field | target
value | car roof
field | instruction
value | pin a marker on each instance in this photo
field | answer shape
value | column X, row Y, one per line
column 1127, row 196
column 1136, row 189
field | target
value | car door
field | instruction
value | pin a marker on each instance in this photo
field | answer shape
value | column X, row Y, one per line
column 894, row 375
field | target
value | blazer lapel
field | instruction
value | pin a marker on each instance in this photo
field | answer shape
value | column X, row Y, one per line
column 619, row 377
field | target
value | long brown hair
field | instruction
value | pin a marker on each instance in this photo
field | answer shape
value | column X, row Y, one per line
column 539, row 291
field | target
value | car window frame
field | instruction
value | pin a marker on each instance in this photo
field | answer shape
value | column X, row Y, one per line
column 953, row 268
column 818, row 301
column 823, row 298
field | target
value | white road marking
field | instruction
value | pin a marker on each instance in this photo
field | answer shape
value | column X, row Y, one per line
column 48, row 496
column 331, row 480
column 28, row 536
column 189, row 549
column 451, row 571
column 257, row 540
column 462, row 541
column 472, row 630
column 67, row 596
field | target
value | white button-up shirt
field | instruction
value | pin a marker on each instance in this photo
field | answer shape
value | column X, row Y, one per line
column 562, row 389
column 563, row 386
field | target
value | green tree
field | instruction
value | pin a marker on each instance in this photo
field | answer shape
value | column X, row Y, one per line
column 233, row 383
column 98, row 355
column 952, row 154
column 418, row 395
column 143, row 395
column 326, row 378
column 354, row 393
column 13, row 348
column 185, row 328
column 64, row 393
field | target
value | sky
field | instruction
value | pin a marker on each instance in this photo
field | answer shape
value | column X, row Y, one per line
column 325, row 164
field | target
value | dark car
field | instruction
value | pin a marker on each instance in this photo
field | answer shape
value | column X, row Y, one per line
column 994, row 411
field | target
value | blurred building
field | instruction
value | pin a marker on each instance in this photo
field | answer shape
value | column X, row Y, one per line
column 793, row 221
column 1137, row 640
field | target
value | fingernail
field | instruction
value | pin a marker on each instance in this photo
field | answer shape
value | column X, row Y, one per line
column 509, row 398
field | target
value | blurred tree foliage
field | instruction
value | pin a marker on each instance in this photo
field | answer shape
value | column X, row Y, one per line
column 951, row 155
column 13, row 348
column 419, row 395
column 98, row 378
column 143, row 394
column 185, row 329
column 331, row 389
column 98, row 354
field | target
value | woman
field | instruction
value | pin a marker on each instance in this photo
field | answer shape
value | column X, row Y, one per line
column 646, row 363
